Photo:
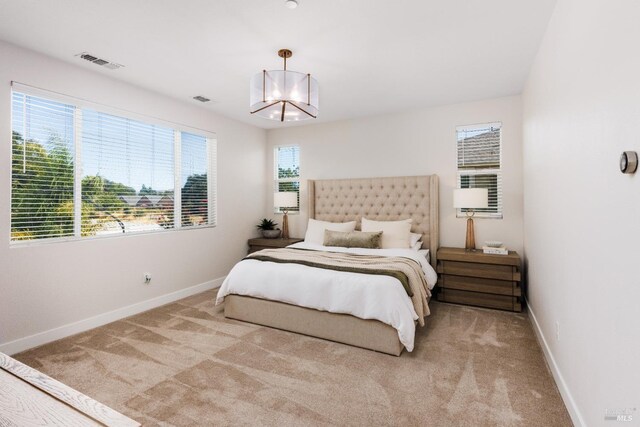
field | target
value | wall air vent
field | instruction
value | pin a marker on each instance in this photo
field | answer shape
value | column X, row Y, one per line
column 88, row 57
column 201, row 98
column 99, row 61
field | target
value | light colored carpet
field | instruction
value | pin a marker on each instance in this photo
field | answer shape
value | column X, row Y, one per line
column 185, row 364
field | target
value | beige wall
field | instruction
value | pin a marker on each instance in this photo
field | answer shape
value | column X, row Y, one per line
column 582, row 216
column 45, row 286
column 411, row 143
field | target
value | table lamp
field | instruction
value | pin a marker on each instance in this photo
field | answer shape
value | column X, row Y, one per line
column 285, row 200
column 470, row 199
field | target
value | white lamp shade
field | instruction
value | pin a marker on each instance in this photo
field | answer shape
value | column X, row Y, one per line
column 471, row 198
column 271, row 89
column 285, row 199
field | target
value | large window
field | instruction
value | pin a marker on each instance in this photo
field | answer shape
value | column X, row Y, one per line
column 287, row 171
column 479, row 152
column 79, row 172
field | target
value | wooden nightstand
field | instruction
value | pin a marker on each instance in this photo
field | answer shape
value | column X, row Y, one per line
column 476, row 278
column 262, row 243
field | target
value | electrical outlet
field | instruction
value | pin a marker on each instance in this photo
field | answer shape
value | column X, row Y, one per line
column 557, row 331
column 147, row 278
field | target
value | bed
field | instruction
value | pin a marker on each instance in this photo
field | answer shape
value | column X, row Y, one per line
column 342, row 200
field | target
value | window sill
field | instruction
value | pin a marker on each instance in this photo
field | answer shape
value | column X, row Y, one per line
column 55, row 240
column 481, row 216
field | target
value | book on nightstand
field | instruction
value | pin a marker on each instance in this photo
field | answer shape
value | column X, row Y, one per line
column 501, row 250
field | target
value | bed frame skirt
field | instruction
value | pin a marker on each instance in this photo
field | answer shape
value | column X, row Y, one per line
column 342, row 328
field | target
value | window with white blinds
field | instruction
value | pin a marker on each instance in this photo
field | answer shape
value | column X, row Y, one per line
column 127, row 175
column 287, row 172
column 80, row 172
column 479, row 164
column 194, row 180
column 42, row 168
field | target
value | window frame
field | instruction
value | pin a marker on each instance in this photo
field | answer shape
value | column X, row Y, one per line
column 80, row 104
column 497, row 171
column 277, row 181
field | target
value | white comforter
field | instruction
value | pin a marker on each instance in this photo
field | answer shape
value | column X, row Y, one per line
column 362, row 295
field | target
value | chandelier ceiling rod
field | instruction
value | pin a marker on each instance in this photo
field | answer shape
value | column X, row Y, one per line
column 284, row 54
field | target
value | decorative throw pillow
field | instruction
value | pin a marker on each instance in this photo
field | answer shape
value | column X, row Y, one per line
column 353, row 239
column 395, row 234
column 415, row 237
column 315, row 229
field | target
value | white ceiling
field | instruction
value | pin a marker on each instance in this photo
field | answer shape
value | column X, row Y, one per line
column 369, row 56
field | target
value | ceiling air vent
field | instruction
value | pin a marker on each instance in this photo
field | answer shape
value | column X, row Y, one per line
column 201, row 98
column 99, row 61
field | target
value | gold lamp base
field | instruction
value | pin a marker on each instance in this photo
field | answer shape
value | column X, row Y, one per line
column 285, row 225
column 470, row 243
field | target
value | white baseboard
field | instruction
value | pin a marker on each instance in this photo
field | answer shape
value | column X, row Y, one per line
column 574, row 413
column 22, row 344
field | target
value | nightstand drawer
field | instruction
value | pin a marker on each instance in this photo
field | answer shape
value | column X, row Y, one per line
column 473, row 269
column 502, row 302
column 476, row 284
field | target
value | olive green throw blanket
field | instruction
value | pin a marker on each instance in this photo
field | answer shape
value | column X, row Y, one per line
column 406, row 270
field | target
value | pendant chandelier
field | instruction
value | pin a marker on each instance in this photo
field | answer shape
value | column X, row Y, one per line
column 284, row 95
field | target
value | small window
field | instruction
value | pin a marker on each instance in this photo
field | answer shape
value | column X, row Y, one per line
column 79, row 172
column 287, row 172
column 479, row 164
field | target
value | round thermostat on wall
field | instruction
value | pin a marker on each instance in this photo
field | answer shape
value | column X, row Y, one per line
column 628, row 162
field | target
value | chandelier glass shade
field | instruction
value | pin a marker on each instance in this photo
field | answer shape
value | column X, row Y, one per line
column 284, row 95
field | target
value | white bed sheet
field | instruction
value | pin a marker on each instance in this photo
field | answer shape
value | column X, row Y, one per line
column 362, row 295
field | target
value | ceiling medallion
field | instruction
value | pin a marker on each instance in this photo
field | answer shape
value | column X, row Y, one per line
column 284, row 95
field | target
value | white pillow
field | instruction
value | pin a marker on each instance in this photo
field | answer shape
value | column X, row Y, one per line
column 315, row 229
column 417, row 245
column 395, row 234
column 415, row 237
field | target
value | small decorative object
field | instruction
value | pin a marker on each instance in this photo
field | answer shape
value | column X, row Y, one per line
column 628, row 162
column 282, row 94
column 470, row 199
column 493, row 243
column 268, row 228
column 285, row 200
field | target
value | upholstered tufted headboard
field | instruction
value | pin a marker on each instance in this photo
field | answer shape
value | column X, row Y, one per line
column 384, row 199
